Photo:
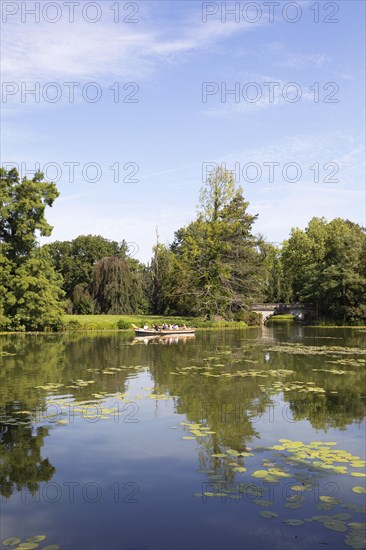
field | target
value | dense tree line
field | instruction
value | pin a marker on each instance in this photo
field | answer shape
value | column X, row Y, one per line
column 215, row 266
column 99, row 276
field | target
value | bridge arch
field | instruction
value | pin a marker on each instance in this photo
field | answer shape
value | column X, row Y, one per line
column 269, row 310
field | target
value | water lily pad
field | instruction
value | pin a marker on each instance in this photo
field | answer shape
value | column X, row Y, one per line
column 27, row 546
column 219, row 455
column 36, row 538
column 51, row 547
column 329, row 500
column 342, row 516
column 190, row 437
column 324, row 506
column 268, row 514
column 335, row 526
column 360, row 490
column 293, row 521
column 12, row 541
column 232, row 452
column 293, row 505
column 260, row 473
column 320, row 518
column 358, row 474
column 261, row 502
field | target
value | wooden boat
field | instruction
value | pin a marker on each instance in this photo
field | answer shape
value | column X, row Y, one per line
column 163, row 332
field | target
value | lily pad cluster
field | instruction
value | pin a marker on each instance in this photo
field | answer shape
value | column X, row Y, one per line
column 31, row 543
column 303, row 464
column 301, row 349
column 196, row 430
column 207, row 371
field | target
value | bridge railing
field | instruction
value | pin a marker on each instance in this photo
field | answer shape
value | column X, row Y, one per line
column 280, row 306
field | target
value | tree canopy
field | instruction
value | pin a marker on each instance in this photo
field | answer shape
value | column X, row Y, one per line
column 31, row 297
column 218, row 254
column 326, row 265
column 215, row 266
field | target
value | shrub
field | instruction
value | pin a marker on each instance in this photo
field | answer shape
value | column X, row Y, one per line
column 123, row 325
column 73, row 325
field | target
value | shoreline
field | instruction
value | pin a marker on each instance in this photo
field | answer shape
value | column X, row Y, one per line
column 234, row 326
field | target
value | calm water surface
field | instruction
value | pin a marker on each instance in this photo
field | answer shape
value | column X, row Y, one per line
column 108, row 443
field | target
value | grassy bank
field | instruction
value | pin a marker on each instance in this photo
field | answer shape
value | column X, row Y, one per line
column 126, row 322
column 284, row 317
column 338, row 326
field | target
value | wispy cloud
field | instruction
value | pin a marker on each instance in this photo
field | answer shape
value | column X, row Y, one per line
column 299, row 61
column 341, row 150
column 256, row 92
column 44, row 52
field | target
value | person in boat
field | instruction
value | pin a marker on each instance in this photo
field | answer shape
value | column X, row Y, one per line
column 165, row 326
column 146, row 327
column 156, row 327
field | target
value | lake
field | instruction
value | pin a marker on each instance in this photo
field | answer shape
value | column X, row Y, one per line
column 249, row 439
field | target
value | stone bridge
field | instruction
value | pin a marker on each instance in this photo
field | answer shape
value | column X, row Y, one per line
column 267, row 310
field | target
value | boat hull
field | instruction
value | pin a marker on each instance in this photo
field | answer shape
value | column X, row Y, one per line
column 142, row 332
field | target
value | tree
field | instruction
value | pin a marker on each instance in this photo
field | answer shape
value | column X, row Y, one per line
column 31, row 290
column 218, row 192
column 326, row 265
column 22, row 210
column 115, row 288
column 75, row 259
column 277, row 288
column 166, row 283
column 219, row 256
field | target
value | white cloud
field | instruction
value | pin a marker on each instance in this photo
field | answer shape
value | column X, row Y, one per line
column 46, row 52
column 340, row 148
column 299, row 61
column 255, row 93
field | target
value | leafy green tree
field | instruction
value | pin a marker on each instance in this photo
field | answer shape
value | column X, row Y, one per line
column 22, row 209
column 167, row 289
column 219, row 256
column 31, row 289
column 82, row 301
column 7, row 298
column 277, row 289
column 75, row 259
column 326, row 265
column 115, row 288
column 216, row 195
column 38, row 295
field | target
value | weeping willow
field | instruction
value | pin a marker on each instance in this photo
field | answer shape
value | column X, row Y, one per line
column 115, row 288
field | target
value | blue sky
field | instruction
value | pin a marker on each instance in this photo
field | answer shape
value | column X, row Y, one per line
column 287, row 153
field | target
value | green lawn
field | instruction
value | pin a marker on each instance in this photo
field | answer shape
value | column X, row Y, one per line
column 125, row 322
column 283, row 317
